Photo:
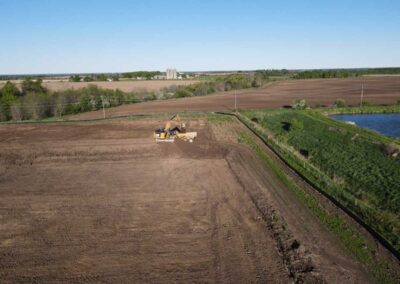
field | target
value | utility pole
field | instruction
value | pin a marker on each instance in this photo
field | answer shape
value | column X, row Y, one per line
column 362, row 95
column 104, row 112
column 235, row 101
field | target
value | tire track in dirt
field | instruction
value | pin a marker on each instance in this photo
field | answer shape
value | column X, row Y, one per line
column 317, row 253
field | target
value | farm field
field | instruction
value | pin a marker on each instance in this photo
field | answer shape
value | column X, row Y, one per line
column 102, row 202
column 198, row 142
column 126, row 86
column 377, row 90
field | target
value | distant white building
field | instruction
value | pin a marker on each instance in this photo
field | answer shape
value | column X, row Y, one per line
column 172, row 74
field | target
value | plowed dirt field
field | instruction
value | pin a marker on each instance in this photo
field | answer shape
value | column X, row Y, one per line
column 377, row 90
column 103, row 203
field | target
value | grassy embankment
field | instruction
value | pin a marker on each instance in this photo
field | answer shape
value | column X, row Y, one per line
column 348, row 163
column 362, row 110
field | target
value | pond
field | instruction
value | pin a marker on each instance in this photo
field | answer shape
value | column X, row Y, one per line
column 387, row 124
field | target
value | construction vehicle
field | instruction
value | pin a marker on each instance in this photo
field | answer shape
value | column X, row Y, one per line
column 174, row 128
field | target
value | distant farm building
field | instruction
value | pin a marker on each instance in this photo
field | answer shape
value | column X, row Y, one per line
column 172, row 74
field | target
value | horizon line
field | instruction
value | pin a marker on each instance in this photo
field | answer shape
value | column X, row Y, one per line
column 198, row 71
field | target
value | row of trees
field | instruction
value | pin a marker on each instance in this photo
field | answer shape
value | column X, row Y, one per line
column 147, row 75
column 10, row 94
column 91, row 78
column 218, row 84
column 32, row 101
column 343, row 73
column 273, row 72
column 140, row 74
column 315, row 74
column 35, row 102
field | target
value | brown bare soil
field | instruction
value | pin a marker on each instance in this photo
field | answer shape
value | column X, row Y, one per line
column 126, row 86
column 377, row 90
column 102, row 202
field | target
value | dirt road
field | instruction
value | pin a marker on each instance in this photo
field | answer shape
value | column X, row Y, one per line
column 377, row 90
column 101, row 202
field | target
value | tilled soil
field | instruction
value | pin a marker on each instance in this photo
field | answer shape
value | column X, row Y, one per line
column 126, row 86
column 377, row 90
column 103, row 203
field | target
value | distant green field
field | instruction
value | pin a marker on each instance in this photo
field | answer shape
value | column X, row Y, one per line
column 353, row 165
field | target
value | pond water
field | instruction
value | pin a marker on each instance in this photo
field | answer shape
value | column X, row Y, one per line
column 387, row 124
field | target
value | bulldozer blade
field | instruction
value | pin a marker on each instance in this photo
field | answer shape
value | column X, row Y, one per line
column 165, row 140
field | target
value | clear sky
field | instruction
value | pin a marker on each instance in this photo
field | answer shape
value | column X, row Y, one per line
column 57, row 36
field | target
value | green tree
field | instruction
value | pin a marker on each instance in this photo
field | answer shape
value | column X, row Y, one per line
column 8, row 95
column 10, row 89
column 36, row 106
column 3, row 115
column 6, row 101
column 32, row 86
column 85, row 103
column 101, row 77
column 75, row 78
column 182, row 93
column 142, row 74
column 239, row 81
column 88, row 78
column 150, row 97
column 339, row 103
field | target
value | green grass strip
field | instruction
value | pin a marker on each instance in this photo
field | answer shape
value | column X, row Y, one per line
column 349, row 237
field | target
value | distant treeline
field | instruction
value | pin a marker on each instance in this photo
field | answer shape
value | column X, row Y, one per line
column 144, row 75
column 148, row 75
column 274, row 72
column 344, row 73
column 140, row 74
column 91, row 78
column 34, row 102
column 20, row 77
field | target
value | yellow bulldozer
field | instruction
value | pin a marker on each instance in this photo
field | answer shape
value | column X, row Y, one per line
column 174, row 128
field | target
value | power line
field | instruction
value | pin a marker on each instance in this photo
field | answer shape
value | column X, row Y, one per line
column 23, row 105
column 102, row 102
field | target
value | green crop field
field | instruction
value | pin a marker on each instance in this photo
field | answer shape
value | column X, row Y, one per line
column 353, row 165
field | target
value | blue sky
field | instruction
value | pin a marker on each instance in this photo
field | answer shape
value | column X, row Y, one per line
column 49, row 36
